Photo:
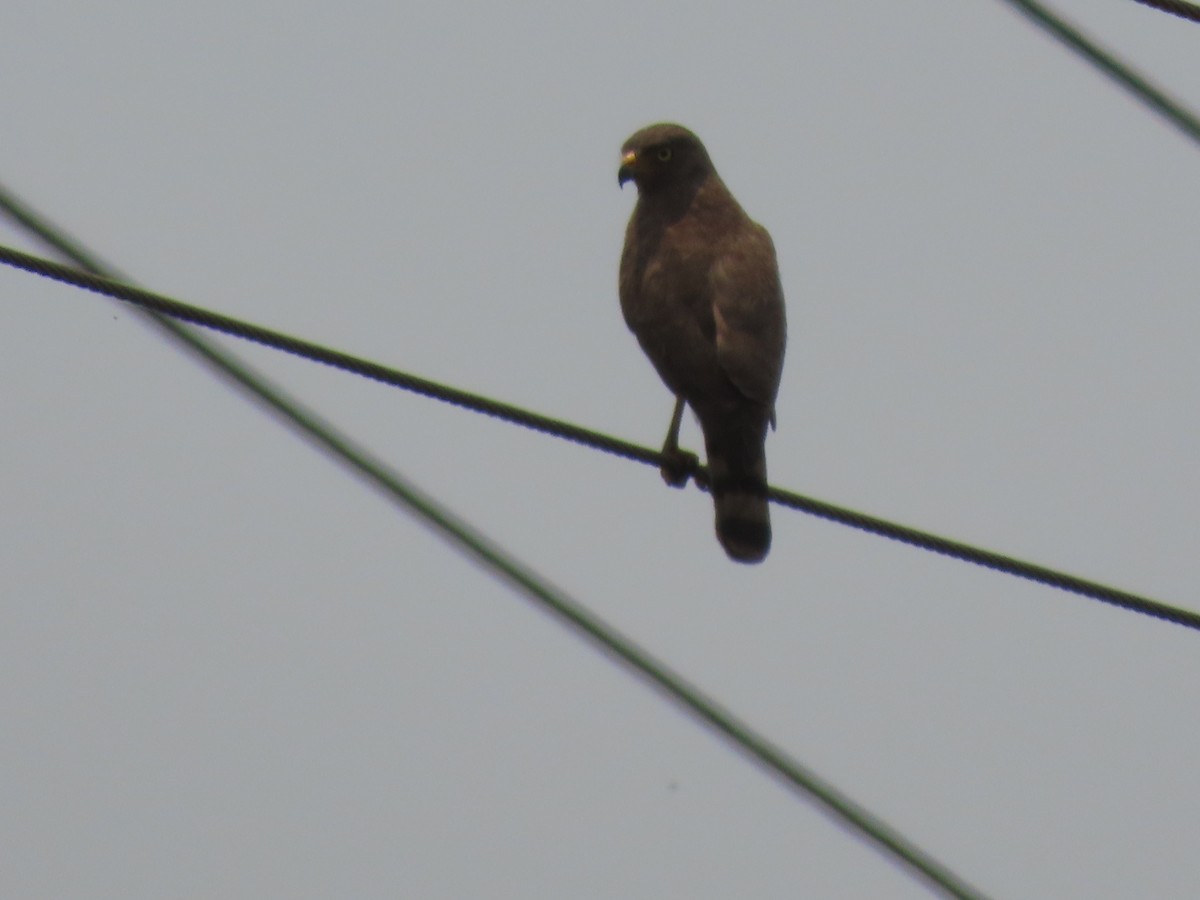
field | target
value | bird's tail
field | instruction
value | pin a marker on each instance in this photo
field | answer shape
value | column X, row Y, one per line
column 737, row 465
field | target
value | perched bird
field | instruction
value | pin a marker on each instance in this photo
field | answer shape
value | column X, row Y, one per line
column 700, row 290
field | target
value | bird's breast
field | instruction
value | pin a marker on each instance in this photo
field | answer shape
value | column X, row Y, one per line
column 665, row 274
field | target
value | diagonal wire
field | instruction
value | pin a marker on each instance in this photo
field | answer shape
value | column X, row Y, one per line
column 1124, row 74
column 756, row 747
column 160, row 305
column 224, row 365
column 1175, row 7
column 989, row 559
column 862, row 521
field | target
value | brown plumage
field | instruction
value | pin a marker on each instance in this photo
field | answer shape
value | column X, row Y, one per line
column 700, row 290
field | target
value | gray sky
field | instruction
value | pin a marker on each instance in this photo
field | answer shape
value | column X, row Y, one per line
column 229, row 670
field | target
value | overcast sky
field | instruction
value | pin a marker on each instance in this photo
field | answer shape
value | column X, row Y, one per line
column 228, row 669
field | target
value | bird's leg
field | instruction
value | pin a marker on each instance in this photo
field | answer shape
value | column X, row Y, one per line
column 678, row 465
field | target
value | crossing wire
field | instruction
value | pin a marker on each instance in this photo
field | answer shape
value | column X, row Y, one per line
column 508, row 412
column 751, row 744
column 1108, row 63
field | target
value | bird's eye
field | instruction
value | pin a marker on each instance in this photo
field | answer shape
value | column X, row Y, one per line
column 664, row 154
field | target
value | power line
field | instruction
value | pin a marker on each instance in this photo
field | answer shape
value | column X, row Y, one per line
column 990, row 560
column 1174, row 7
column 756, row 747
column 1125, row 75
column 221, row 363
column 862, row 521
column 159, row 304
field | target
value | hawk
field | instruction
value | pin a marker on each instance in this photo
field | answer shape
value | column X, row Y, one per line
column 700, row 290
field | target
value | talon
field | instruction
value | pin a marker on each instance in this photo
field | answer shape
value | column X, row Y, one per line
column 678, row 466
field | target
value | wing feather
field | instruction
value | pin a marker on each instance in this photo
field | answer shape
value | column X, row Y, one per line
column 751, row 327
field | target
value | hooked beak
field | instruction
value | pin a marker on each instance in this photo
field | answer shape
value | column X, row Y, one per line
column 628, row 169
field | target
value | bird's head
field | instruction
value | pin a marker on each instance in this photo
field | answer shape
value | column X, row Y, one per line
column 662, row 156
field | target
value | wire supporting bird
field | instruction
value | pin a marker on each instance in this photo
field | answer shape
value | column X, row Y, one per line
column 700, row 290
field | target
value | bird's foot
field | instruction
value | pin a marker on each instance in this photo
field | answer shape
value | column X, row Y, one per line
column 678, row 466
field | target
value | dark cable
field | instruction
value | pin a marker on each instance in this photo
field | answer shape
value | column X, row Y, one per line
column 1175, row 8
column 746, row 740
column 1145, row 90
column 221, row 363
column 516, row 415
column 988, row 559
column 97, row 281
